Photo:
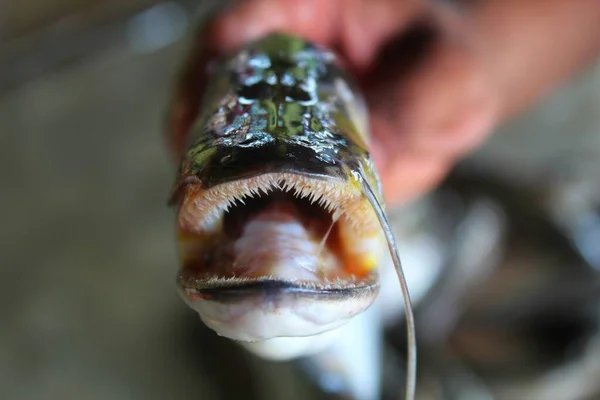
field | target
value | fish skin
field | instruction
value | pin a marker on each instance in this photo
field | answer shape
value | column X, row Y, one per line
column 281, row 104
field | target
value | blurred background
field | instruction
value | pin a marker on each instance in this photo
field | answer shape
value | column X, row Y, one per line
column 87, row 260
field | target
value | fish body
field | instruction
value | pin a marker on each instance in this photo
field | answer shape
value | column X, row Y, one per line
column 278, row 241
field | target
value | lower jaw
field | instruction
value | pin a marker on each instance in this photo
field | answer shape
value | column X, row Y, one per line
column 271, row 309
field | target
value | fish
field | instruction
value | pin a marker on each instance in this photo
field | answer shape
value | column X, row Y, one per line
column 280, row 219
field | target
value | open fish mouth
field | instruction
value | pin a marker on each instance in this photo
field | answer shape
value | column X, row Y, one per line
column 278, row 254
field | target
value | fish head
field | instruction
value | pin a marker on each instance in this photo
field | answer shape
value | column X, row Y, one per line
column 276, row 236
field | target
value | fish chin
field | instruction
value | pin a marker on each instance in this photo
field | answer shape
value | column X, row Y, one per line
column 278, row 255
column 289, row 348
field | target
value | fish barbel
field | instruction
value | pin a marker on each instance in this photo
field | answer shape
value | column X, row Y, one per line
column 280, row 225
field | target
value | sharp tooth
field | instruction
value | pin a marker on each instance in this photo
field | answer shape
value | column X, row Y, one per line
column 310, row 197
column 309, row 193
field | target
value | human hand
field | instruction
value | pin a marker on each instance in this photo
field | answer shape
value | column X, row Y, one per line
column 437, row 80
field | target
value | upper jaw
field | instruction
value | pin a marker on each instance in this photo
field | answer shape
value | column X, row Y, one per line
column 201, row 206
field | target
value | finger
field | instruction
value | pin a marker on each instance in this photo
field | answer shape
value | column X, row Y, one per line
column 355, row 27
column 449, row 104
column 445, row 102
column 413, row 176
column 315, row 20
column 365, row 24
column 442, row 107
column 406, row 174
